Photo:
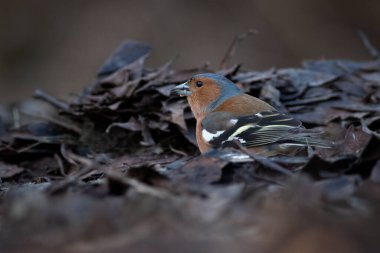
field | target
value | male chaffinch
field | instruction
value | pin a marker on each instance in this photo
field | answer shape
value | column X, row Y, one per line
column 225, row 114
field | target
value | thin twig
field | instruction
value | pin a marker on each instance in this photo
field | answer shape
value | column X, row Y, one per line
column 68, row 125
column 71, row 178
column 59, row 104
column 60, row 164
column 16, row 117
column 177, row 151
column 311, row 100
column 137, row 185
column 67, row 155
column 263, row 160
column 368, row 45
column 232, row 48
column 24, row 149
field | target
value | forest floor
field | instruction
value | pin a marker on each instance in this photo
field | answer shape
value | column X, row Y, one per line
column 116, row 168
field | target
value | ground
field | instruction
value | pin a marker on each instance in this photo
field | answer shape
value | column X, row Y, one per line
column 117, row 168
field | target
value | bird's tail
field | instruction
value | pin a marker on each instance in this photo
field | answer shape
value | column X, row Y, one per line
column 310, row 138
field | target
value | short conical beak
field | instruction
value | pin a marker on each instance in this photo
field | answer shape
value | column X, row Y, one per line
column 182, row 89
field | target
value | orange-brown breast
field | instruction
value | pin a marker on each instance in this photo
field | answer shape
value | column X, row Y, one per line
column 199, row 101
column 202, row 144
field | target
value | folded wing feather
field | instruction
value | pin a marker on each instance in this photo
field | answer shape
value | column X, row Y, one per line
column 260, row 129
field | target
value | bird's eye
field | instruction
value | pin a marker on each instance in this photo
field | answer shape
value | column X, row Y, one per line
column 199, row 84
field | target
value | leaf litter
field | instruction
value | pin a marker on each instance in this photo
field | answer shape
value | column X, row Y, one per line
column 117, row 167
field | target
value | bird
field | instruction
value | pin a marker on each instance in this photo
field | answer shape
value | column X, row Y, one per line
column 225, row 115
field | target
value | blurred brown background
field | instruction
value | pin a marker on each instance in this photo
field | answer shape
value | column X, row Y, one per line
column 58, row 45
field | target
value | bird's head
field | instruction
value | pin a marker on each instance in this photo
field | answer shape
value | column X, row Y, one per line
column 205, row 92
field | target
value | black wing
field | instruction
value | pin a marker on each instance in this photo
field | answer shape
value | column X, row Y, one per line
column 265, row 128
